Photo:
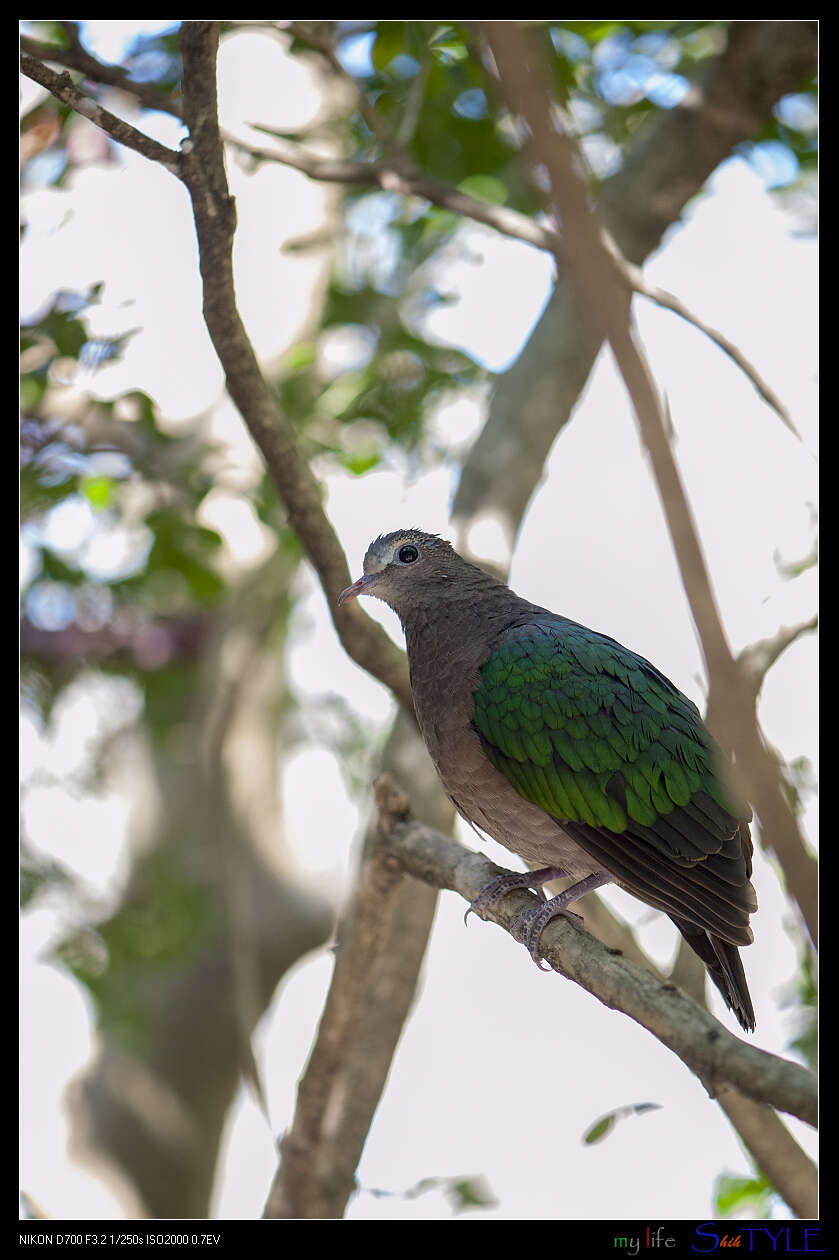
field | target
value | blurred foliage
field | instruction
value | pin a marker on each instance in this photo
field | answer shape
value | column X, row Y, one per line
column 167, row 921
column 463, row 1193
column 802, row 999
column 606, row 1124
column 38, row 876
column 428, row 80
column 736, row 1196
column 359, row 389
column 108, row 471
column 798, row 781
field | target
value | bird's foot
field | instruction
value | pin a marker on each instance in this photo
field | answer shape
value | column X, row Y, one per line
column 509, row 882
column 529, row 925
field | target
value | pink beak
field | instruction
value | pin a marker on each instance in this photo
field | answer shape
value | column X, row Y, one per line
column 358, row 588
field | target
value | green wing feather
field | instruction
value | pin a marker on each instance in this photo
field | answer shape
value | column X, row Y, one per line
column 594, row 734
column 602, row 741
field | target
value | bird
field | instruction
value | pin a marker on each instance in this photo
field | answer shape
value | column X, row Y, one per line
column 572, row 751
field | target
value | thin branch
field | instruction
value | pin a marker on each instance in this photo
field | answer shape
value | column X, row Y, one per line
column 789, row 569
column 758, row 658
column 711, row 1052
column 635, row 278
column 398, row 174
column 405, row 181
column 78, row 58
column 590, row 265
column 413, row 104
column 318, row 39
column 215, row 220
column 71, row 30
column 63, row 87
column 664, row 166
column 201, row 167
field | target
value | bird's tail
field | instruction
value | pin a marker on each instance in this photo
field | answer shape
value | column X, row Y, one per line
column 725, row 968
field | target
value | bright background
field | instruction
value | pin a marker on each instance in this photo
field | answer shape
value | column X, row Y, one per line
column 501, row 1069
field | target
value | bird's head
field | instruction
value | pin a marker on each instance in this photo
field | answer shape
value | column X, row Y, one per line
column 406, row 568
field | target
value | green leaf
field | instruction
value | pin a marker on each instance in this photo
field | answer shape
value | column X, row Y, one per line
column 605, row 1125
column 99, row 492
column 733, row 1194
column 388, row 44
column 469, row 1192
column 485, row 188
column 68, row 334
column 463, row 1193
column 593, row 32
column 450, row 50
column 31, row 392
column 56, row 570
column 186, row 550
column 342, row 393
column 299, row 357
column 359, row 463
column 38, row 496
column 600, row 1129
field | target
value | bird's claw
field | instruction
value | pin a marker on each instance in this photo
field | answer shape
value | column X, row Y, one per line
column 510, row 881
column 496, row 888
column 529, row 926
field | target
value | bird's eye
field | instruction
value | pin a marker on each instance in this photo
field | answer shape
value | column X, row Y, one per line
column 408, row 554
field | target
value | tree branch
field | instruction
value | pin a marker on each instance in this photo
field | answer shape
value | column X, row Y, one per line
column 774, row 1150
column 395, row 174
column 589, row 263
column 317, row 1173
column 63, row 87
column 319, row 39
column 201, row 167
column 711, row 1052
column 313, row 1181
column 78, row 58
column 215, row 220
column 758, row 658
column 634, row 277
column 398, row 174
column 392, row 176
column 664, row 167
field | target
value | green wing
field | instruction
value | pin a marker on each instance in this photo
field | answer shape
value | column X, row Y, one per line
column 603, row 742
column 599, row 739
column 593, row 733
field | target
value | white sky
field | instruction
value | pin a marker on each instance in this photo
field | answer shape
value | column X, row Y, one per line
column 501, row 1069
